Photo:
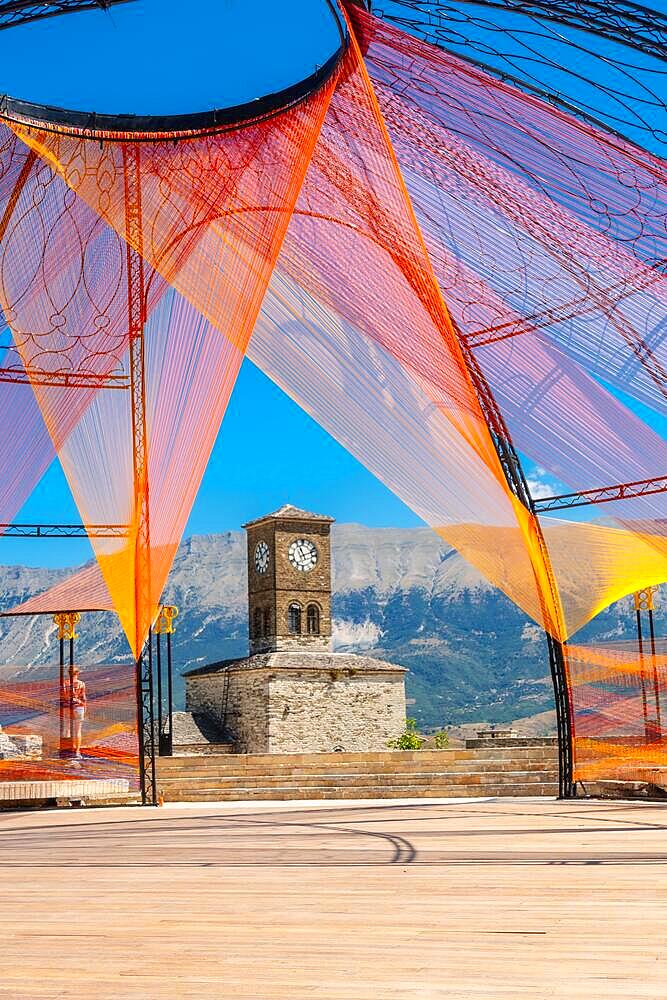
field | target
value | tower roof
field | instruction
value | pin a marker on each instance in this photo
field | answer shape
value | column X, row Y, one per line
column 290, row 513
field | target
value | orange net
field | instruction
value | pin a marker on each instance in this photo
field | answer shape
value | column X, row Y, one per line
column 83, row 590
column 207, row 215
column 619, row 701
column 35, row 736
column 355, row 328
column 394, row 393
column 411, row 247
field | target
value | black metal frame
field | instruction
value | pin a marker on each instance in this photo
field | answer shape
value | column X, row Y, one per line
column 644, row 30
column 628, row 23
column 140, row 128
column 136, row 301
column 641, row 28
column 165, row 725
column 16, row 12
column 516, row 480
column 146, row 725
column 631, row 24
column 154, row 127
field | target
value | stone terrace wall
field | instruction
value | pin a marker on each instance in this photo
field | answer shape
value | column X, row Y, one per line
column 245, row 721
column 288, row 710
column 310, row 714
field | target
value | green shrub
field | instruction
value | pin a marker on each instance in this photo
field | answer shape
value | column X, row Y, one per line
column 441, row 740
column 409, row 739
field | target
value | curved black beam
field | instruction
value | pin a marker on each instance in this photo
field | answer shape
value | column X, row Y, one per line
column 630, row 24
column 177, row 126
column 429, row 19
column 516, row 480
column 16, row 12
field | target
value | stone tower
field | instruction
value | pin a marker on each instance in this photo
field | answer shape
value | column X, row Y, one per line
column 289, row 581
column 293, row 694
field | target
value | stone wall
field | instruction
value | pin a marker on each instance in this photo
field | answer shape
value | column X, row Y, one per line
column 241, row 712
column 349, row 712
column 247, row 722
column 290, row 703
column 18, row 747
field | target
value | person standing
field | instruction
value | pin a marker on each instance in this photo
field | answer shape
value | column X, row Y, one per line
column 74, row 696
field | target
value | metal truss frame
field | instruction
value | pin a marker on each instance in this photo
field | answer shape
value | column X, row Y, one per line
column 605, row 494
column 64, row 379
column 64, row 531
column 136, row 301
column 149, row 128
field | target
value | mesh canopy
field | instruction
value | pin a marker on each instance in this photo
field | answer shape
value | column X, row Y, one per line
column 31, row 708
column 213, row 213
column 413, row 240
column 618, row 697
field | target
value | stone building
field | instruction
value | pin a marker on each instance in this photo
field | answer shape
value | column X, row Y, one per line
column 292, row 693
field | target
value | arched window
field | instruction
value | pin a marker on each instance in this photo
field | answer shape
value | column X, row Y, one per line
column 267, row 621
column 313, row 619
column 257, row 623
column 294, row 619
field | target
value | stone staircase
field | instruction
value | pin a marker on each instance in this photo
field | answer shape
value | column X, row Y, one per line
column 527, row 767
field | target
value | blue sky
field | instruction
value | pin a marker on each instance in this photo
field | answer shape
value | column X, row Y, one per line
column 265, row 46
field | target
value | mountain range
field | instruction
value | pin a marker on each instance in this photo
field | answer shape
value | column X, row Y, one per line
column 399, row 594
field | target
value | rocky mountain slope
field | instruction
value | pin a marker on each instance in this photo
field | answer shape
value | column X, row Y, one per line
column 402, row 595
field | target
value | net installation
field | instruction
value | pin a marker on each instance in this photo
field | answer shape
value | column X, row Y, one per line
column 459, row 276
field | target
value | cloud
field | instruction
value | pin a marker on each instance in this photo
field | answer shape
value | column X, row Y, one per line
column 539, row 485
column 354, row 635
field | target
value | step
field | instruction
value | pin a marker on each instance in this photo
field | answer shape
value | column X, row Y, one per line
column 405, row 774
column 332, row 776
column 240, row 793
column 380, row 757
column 239, row 765
column 516, row 742
column 361, row 781
column 200, row 750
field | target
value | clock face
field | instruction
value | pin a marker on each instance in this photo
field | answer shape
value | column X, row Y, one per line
column 261, row 557
column 302, row 554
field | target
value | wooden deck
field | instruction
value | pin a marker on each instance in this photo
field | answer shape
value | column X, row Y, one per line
column 337, row 901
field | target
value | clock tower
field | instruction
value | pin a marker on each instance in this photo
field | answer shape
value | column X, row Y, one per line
column 289, row 581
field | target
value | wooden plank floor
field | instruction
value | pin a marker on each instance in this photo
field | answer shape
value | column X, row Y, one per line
column 336, row 901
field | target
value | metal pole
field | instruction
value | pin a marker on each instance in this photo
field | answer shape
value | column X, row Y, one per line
column 170, row 696
column 61, row 643
column 640, row 643
column 656, row 683
column 158, row 649
column 142, row 568
column 71, row 694
column 151, row 714
column 140, row 727
column 516, row 480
